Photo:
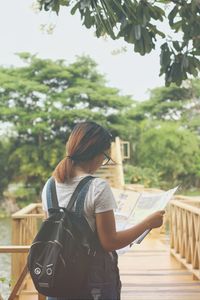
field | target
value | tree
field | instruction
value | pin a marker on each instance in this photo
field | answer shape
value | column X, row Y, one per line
column 172, row 151
column 5, row 169
column 190, row 118
column 138, row 22
column 172, row 104
column 43, row 100
column 167, row 125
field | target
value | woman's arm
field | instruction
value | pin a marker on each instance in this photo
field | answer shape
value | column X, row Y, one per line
column 112, row 240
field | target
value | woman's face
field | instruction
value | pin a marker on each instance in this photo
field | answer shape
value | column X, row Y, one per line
column 96, row 162
column 99, row 160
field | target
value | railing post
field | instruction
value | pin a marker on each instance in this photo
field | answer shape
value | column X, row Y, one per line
column 16, row 258
column 24, row 228
column 117, row 157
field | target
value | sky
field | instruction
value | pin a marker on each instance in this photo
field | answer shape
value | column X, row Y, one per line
column 20, row 31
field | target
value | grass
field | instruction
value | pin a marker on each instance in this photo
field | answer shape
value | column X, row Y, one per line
column 3, row 214
column 192, row 192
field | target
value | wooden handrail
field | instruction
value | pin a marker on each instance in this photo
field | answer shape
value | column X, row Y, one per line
column 186, row 198
column 39, row 216
column 14, row 249
column 186, row 206
column 18, row 283
column 24, row 273
column 28, row 211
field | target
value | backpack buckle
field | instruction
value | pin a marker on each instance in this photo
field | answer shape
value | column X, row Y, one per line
column 93, row 254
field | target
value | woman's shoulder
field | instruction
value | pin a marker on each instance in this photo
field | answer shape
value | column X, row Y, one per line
column 101, row 182
column 102, row 195
column 98, row 183
column 100, row 186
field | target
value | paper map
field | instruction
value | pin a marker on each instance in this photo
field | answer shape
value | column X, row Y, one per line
column 133, row 207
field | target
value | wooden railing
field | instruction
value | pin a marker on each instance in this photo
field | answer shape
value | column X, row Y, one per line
column 185, row 232
column 25, row 225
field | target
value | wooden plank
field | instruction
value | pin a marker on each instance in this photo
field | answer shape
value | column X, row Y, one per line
column 149, row 272
column 28, row 209
column 36, row 215
column 18, row 284
column 14, row 249
column 196, row 272
column 185, row 206
column 187, row 199
column 15, row 269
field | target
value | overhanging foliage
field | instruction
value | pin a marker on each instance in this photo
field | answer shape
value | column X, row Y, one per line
column 138, row 22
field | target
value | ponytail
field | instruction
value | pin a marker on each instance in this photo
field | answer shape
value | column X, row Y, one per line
column 63, row 171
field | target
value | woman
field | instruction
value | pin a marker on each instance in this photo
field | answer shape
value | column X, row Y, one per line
column 87, row 150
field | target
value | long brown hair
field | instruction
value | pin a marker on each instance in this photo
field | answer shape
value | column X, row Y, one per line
column 86, row 140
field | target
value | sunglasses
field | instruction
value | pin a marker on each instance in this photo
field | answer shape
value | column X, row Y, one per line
column 107, row 159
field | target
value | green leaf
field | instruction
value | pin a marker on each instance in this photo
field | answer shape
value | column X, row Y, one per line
column 165, row 59
column 74, row 9
column 137, row 32
column 154, row 29
column 89, row 20
column 147, row 40
column 177, row 46
column 173, row 14
column 130, row 37
column 156, row 12
column 177, row 26
column 185, row 62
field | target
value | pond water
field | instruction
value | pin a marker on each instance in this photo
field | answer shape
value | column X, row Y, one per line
column 5, row 259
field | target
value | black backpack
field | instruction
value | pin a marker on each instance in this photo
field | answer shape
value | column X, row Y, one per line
column 60, row 254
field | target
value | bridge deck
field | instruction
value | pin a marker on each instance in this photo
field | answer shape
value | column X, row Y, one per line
column 149, row 272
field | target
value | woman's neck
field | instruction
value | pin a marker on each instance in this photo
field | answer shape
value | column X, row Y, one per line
column 79, row 170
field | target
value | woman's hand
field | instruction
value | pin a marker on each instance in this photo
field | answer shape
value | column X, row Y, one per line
column 155, row 220
column 112, row 240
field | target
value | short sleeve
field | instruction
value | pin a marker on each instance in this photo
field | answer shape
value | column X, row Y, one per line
column 103, row 197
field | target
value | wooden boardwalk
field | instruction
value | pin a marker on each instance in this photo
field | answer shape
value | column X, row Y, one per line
column 149, row 272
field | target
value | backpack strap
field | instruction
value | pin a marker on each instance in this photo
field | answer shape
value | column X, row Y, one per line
column 81, row 198
column 52, row 200
column 81, row 187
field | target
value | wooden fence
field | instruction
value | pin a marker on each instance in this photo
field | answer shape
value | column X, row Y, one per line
column 185, row 232
column 25, row 224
